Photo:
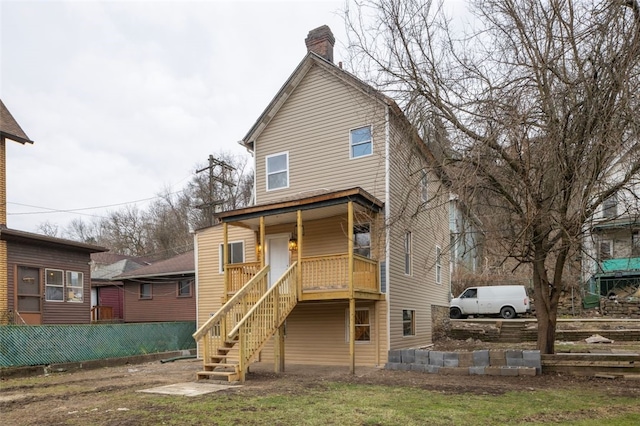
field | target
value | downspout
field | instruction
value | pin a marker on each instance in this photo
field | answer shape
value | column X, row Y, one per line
column 387, row 214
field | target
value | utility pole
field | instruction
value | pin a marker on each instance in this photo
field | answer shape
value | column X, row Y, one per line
column 219, row 184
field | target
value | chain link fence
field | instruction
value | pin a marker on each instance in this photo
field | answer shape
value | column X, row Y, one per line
column 24, row 345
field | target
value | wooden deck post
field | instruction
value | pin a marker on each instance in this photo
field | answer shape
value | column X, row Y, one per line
column 352, row 301
column 299, row 269
column 225, row 296
column 278, row 339
column 262, row 242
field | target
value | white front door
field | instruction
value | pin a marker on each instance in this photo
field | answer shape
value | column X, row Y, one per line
column 277, row 256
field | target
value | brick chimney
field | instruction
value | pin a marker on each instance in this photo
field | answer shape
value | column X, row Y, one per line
column 320, row 41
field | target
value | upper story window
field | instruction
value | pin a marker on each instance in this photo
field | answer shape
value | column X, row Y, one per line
column 407, row 253
column 277, row 171
column 610, row 207
column 635, row 244
column 361, row 142
column 424, row 181
column 438, row 265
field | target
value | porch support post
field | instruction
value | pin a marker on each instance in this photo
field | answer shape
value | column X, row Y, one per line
column 262, row 242
column 352, row 300
column 278, row 349
column 299, row 269
column 225, row 256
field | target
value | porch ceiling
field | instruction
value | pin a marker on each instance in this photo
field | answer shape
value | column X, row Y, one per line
column 313, row 207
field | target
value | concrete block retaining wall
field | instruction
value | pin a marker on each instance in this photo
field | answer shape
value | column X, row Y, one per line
column 487, row 362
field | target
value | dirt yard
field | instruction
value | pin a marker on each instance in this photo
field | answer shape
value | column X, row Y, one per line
column 72, row 397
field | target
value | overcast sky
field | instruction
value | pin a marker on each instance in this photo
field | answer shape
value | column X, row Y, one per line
column 124, row 98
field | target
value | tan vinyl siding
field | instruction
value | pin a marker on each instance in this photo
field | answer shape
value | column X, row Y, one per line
column 313, row 127
column 429, row 227
column 316, row 333
column 210, row 282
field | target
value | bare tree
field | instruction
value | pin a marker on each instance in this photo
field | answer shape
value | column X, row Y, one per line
column 540, row 103
column 48, row 228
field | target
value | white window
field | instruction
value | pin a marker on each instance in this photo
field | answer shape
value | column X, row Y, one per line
column 75, row 286
column 361, row 142
column 407, row 253
column 408, row 322
column 277, row 171
column 235, row 254
column 54, row 285
column 362, row 239
column 438, row 265
column 363, row 325
column 424, row 181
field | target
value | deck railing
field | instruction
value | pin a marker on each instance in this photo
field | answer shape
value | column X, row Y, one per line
column 101, row 313
column 261, row 322
column 214, row 332
column 331, row 272
column 240, row 274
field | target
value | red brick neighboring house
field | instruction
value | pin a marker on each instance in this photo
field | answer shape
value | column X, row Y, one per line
column 162, row 291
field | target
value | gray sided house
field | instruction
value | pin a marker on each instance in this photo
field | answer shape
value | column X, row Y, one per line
column 344, row 254
column 161, row 291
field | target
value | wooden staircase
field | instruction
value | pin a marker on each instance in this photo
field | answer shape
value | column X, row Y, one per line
column 233, row 337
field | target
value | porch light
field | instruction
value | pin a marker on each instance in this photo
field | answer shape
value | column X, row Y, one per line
column 293, row 244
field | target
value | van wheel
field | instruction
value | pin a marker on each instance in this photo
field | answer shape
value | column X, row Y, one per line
column 455, row 313
column 507, row 312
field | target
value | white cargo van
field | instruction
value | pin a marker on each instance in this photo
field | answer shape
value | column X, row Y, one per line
column 505, row 300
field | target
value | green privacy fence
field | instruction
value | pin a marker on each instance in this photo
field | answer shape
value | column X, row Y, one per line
column 22, row 345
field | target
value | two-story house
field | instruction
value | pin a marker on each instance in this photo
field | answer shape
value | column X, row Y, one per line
column 611, row 248
column 344, row 254
column 43, row 280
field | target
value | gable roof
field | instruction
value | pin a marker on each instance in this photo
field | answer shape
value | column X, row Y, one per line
column 294, row 80
column 9, row 127
column 298, row 75
column 182, row 264
column 108, row 271
column 29, row 238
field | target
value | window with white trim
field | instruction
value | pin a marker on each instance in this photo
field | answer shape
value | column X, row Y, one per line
column 235, row 254
column 54, row 285
column 360, row 142
column 438, row 265
column 424, row 182
column 277, row 171
column 363, row 325
column 75, row 286
column 408, row 322
column 407, row 253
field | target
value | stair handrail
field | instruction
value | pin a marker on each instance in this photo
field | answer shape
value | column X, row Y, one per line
column 265, row 316
column 230, row 303
column 267, row 294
